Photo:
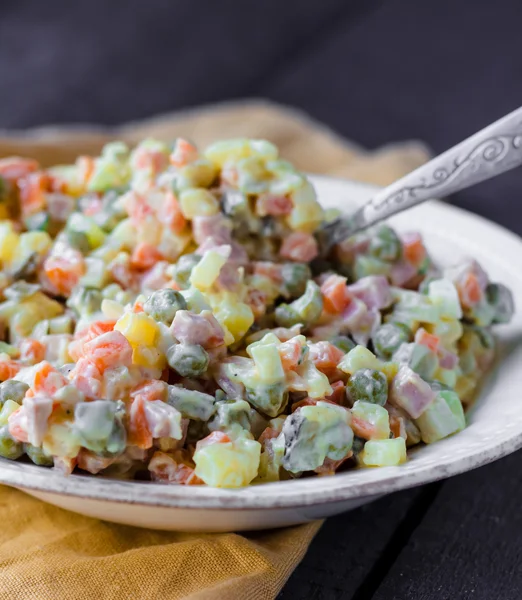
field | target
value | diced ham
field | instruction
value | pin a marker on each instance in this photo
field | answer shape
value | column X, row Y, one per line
column 202, row 329
column 299, row 247
column 274, row 205
column 373, row 290
column 410, row 392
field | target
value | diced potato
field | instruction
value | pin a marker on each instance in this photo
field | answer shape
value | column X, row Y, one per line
column 198, row 202
column 8, row 409
column 9, row 241
column 370, row 421
column 443, row 417
column 268, row 363
column 236, row 149
column 229, row 465
column 149, row 357
column 444, row 296
column 359, row 358
column 205, row 273
column 384, row 453
column 138, row 328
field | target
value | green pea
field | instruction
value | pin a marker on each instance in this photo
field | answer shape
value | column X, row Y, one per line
column 78, row 240
column 286, row 316
column 269, row 399
column 358, row 445
column 487, row 339
column 295, row 277
column 231, row 412
column 39, row 221
column 183, row 268
column 389, row 337
column 28, row 267
column 306, row 310
column 501, row 298
column 117, row 440
column 368, row 385
column 12, row 390
column 9, row 448
column 191, row 403
column 385, row 244
column 343, row 342
column 38, row 456
column 189, row 360
column 85, row 300
column 164, row 304
column 4, row 189
column 6, row 348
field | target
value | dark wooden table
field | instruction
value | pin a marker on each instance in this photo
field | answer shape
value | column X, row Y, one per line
column 436, row 70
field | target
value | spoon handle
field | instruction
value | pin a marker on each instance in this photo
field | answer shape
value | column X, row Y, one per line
column 484, row 155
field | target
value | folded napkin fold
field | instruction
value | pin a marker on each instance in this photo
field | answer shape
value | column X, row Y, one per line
column 47, row 553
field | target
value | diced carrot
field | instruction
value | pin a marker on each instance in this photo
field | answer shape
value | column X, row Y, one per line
column 152, row 160
column 47, row 379
column 170, row 214
column 339, row 393
column 17, row 423
column 109, row 350
column 291, row 353
column 87, row 378
column 32, row 192
column 8, row 369
column 413, row 249
column 32, row 351
column 335, row 292
column 145, row 256
column 329, row 467
column 216, row 437
column 304, row 402
column 397, row 426
column 427, row 339
column 362, row 428
column 325, row 356
column 85, row 168
column 64, row 273
column 173, row 285
column 300, row 247
column 138, row 208
column 139, row 433
column 469, row 290
column 16, row 167
column 268, row 434
column 150, row 390
column 183, row 153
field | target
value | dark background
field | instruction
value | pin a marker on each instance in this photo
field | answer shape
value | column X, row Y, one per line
column 376, row 72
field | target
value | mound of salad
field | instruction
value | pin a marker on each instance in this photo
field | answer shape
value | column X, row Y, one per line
column 168, row 314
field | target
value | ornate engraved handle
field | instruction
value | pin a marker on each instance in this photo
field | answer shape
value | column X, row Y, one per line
column 488, row 153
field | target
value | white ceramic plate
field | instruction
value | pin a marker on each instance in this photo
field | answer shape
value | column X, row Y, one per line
column 494, row 430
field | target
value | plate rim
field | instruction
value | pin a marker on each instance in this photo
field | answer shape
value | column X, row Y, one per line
column 288, row 494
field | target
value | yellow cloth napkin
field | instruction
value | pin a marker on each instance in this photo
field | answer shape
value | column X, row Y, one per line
column 47, row 553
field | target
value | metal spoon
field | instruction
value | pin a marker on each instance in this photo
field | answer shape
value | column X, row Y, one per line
column 488, row 153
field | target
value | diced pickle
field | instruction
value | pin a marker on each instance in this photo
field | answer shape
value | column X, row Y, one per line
column 368, row 385
column 306, row 310
column 313, row 433
column 191, row 403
